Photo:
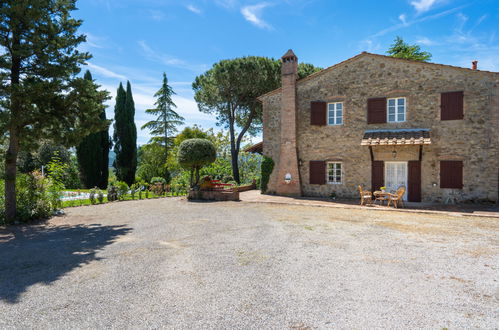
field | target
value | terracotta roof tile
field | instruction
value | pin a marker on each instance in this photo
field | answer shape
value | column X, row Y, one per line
column 396, row 136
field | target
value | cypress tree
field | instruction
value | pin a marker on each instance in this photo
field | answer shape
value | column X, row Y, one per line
column 105, row 145
column 90, row 153
column 125, row 135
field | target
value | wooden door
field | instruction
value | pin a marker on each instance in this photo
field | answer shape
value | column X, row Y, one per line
column 414, row 178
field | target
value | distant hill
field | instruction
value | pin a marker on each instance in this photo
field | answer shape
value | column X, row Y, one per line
column 112, row 157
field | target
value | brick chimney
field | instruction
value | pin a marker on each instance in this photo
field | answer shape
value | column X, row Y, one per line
column 288, row 175
column 474, row 65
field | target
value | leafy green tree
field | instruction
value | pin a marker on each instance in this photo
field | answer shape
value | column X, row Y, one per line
column 194, row 132
column 93, row 153
column 125, row 135
column 167, row 120
column 40, row 93
column 229, row 91
column 151, row 162
column 306, row 69
column 193, row 154
column 401, row 49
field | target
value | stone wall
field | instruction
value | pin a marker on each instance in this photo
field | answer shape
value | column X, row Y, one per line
column 271, row 135
column 473, row 140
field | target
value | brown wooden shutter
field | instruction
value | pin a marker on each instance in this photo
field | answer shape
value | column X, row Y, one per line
column 451, row 106
column 414, row 181
column 318, row 114
column 376, row 111
column 451, row 174
column 317, row 172
column 377, row 174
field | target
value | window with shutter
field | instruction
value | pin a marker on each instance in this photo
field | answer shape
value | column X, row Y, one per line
column 317, row 172
column 376, row 111
column 451, row 106
column 451, row 174
column 318, row 114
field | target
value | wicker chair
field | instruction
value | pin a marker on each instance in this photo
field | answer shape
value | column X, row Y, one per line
column 365, row 196
column 397, row 198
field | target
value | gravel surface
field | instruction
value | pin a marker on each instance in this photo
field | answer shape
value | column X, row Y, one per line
column 168, row 263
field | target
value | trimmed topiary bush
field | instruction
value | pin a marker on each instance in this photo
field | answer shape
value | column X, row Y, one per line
column 267, row 167
column 193, row 154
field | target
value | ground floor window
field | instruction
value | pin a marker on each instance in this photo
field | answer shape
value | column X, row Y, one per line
column 334, row 173
column 451, row 174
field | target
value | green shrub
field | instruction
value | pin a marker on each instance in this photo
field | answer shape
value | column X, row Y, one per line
column 134, row 188
column 33, row 200
column 122, row 189
column 267, row 167
column 193, row 154
column 112, row 192
column 100, row 196
column 91, row 196
column 227, row 179
column 56, row 169
column 158, row 179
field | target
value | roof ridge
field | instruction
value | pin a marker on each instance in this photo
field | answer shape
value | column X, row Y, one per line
column 313, row 75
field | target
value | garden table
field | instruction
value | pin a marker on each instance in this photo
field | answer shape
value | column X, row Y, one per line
column 381, row 196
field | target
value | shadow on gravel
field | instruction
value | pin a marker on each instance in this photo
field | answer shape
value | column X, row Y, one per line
column 39, row 254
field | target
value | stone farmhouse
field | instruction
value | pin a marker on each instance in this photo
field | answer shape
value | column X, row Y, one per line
column 375, row 121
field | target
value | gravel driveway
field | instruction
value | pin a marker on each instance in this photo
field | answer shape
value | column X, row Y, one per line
column 168, row 263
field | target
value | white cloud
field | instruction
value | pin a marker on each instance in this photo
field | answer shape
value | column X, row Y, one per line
column 369, row 45
column 425, row 41
column 253, row 15
column 407, row 23
column 156, row 15
column 403, row 19
column 226, row 3
column 168, row 59
column 422, row 6
column 94, row 41
column 194, row 9
column 106, row 72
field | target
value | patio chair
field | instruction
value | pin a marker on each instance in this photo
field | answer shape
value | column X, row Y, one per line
column 397, row 198
column 365, row 196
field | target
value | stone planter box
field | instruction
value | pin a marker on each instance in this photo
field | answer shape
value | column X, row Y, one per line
column 213, row 195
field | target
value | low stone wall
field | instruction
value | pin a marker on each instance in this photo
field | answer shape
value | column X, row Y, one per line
column 248, row 187
column 226, row 195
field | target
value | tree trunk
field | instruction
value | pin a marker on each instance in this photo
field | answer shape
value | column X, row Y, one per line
column 13, row 150
column 10, row 176
column 197, row 176
column 234, row 153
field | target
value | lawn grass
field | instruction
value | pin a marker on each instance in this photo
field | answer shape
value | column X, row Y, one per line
column 128, row 197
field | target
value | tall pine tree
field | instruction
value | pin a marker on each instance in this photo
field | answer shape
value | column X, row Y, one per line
column 93, row 153
column 125, row 135
column 40, row 92
column 167, row 120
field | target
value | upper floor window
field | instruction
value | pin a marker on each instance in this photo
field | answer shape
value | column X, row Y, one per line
column 334, row 173
column 396, row 109
column 335, row 113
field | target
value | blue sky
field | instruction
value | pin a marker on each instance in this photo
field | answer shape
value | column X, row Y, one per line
column 138, row 40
